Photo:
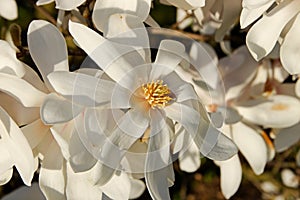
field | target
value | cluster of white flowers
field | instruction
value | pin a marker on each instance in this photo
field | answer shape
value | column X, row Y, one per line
column 141, row 99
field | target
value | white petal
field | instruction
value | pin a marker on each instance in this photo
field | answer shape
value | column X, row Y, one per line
column 6, row 176
column 278, row 111
column 118, row 187
column 252, row 146
column 187, row 4
column 52, row 173
column 289, row 178
column 8, row 9
column 211, row 142
column 137, row 188
column 62, row 134
column 47, row 48
column 20, row 114
column 25, row 93
column 249, row 15
column 86, row 38
column 123, row 25
column 264, row 34
column 170, row 54
column 189, row 160
column 79, row 185
column 231, row 12
column 289, row 51
column 43, row 2
column 105, row 8
column 82, row 89
column 157, row 183
column 6, row 161
column 231, row 176
column 24, row 192
column 286, row 137
column 80, row 159
column 9, row 61
column 35, row 132
column 182, row 90
column 68, row 5
column 58, row 110
column 17, row 146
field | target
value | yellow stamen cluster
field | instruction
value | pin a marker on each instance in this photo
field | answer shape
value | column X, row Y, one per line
column 157, row 94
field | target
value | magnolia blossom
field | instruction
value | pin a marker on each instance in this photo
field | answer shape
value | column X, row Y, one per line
column 250, row 88
column 278, row 26
column 56, row 177
column 149, row 96
column 8, row 9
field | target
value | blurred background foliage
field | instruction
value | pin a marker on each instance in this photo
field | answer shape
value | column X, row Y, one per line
column 203, row 184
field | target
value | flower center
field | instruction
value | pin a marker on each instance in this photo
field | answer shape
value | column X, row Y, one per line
column 157, row 94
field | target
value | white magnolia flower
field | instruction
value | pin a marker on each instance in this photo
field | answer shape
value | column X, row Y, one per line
column 245, row 82
column 62, row 4
column 278, row 25
column 151, row 94
column 8, row 9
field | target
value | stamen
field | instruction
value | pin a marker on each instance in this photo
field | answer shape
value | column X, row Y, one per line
column 157, row 94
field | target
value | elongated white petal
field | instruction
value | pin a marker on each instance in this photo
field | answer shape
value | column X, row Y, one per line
column 170, row 54
column 35, row 132
column 211, row 142
column 289, row 178
column 80, row 159
column 17, row 146
column 249, row 15
column 264, row 34
column 231, row 12
column 43, row 2
column 187, row 4
column 20, row 114
column 47, row 48
column 286, row 137
column 24, row 192
column 9, row 61
column 6, row 161
column 8, row 9
column 25, row 93
column 123, row 25
column 82, row 89
column 137, row 188
column 189, row 160
column 6, row 176
column 231, row 176
column 79, row 185
column 289, row 51
column 58, row 110
column 278, row 111
column 62, row 134
column 118, row 187
column 104, row 9
column 68, row 5
column 157, row 182
column 86, row 38
column 246, row 138
column 52, row 173
column 182, row 90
